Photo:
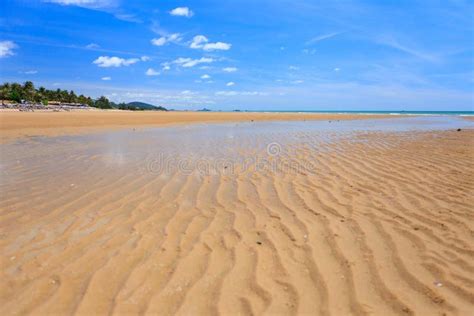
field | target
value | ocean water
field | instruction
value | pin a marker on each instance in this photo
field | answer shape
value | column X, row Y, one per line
column 456, row 113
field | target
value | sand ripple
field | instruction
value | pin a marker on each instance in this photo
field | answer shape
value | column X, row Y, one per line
column 373, row 223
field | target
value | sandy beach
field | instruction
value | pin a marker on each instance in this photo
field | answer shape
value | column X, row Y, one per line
column 236, row 218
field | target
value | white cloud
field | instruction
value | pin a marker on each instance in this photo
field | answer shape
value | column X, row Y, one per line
column 173, row 38
column 230, row 84
column 188, row 62
column 297, row 81
column 392, row 42
column 198, row 41
column 6, row 48
column 226, row 93
column 202, row 42
column 94, row 4
column 128, row 18
column 217, row 46
column 166, row 66
column 152, row 72
column 92, row 46
column 106, row 61
column 253, row 93
column 293, row 68
column 106, row 78
column 206, row 76
column 144, row 58
column 159, row 41
column 229, row 69
column 309, row 51
column 29, row 72
column 182, row 11
column 244, row 93
column 337, row 69
column 322, row 37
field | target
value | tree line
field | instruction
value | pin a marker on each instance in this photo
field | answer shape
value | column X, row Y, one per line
column 17, row 92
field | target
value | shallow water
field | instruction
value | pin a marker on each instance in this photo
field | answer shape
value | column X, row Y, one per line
column 212, row 140
column 186, row 148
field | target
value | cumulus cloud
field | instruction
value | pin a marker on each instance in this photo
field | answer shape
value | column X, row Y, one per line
column 173, row 38
column 144, row 58
column 337, row 69
column 182, row 11
column 159, row 41
column 106, row 61
column 217, row 46
column 230, row 84
column 152, row 72
column 106, row 78
column 229, row 69
column 198, row 41
column 202, row 42
column 6, row 48
column 206, row 76
column 189, row 62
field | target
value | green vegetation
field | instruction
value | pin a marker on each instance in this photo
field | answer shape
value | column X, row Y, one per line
column 27, row 92
column 17, row 92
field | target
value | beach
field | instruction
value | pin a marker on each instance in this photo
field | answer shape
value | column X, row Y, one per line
column 236, row 214
column 14, row 124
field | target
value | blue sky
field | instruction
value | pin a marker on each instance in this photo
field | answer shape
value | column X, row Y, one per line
column 255, row 55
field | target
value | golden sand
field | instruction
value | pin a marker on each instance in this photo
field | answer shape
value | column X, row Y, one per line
column 14, row 123
column 383, row 225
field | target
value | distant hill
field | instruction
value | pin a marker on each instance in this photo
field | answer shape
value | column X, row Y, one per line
column 146, row 106
column 138, row 106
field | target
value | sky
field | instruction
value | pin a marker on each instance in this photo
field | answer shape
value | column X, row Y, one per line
column 247, row 54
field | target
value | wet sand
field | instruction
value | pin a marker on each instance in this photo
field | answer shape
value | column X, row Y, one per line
column 15, row 124
column 358, row 218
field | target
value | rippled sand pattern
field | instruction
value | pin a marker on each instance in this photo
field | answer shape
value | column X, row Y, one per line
column 375, row 222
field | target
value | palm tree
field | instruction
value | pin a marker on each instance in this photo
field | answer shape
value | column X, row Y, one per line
column 29, row 90
column 16, row 92
column 5, row 91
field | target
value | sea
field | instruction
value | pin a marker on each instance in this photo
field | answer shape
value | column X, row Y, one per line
column 456, row 113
